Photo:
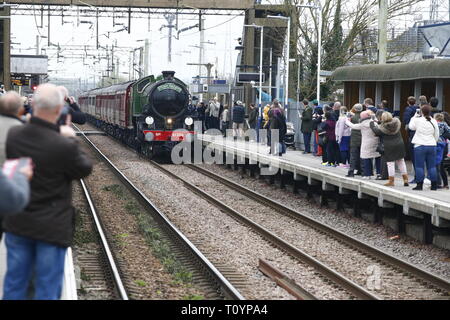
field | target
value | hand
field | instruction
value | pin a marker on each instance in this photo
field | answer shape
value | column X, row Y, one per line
column 27, row 171
column 67, row 131
column 71, row 100
column 69, row 120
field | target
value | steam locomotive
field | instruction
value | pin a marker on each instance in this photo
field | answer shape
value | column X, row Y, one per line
column 150, row 114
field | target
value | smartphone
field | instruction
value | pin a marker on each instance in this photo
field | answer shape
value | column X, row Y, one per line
column 11, row 166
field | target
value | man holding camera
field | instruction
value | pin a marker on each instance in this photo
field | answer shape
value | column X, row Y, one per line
column 71, row 108
column 37, row 238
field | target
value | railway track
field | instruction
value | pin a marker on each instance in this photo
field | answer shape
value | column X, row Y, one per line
column 113, row 272
column 434, row 287
column 207, row 273
column 419, row 283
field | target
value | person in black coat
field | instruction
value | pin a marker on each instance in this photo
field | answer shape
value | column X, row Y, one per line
column 71, row 108
column 252, row 116
column 238, row 118
column 394, row 147
column 39, row 236
column 278, row 122
column 201, row 108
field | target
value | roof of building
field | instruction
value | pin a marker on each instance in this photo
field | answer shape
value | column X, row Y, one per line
column 427, row 69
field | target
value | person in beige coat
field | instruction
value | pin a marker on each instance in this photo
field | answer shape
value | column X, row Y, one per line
column 369, row 144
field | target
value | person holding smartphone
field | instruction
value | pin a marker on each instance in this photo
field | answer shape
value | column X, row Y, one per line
column 15, row 189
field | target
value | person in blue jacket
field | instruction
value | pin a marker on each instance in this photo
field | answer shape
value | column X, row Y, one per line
column 14, row 192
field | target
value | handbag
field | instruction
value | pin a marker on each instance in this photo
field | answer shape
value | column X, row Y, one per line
column 323, row 140
column 380, row 147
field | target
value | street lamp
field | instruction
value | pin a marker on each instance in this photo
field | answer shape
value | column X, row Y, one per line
column 319, row 43
column 260, row 64
column 286, row 97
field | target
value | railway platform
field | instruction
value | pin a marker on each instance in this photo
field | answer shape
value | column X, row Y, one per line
column 423, row 215
column 69, row 290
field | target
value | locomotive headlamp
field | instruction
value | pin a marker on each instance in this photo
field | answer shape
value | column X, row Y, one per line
column 169, row 121
column 188, row 121
column 149, row 120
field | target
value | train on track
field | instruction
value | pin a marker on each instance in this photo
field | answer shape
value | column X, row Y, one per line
column 150, row 114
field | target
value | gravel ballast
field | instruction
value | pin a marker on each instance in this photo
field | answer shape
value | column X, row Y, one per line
column 427, row 257
column 145, row 276
column 218, row 236
column 323, row 247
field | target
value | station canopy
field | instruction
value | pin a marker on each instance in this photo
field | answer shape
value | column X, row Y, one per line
column 427, row 69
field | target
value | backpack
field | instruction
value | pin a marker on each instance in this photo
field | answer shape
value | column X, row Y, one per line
column 322, row 134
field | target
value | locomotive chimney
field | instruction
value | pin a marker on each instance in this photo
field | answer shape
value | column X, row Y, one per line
column 168, row 75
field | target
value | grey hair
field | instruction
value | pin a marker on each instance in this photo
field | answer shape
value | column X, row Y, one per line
column 64, row 91
column 10, row 103
column 47, row 97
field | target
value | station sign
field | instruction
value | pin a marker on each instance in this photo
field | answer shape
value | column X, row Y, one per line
column 20, row 81
column 247, row 77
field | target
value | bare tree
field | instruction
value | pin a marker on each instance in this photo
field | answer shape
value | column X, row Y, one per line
column 347, row 32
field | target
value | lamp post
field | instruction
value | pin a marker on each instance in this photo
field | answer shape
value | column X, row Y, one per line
column 260, row 64
column 286, row 97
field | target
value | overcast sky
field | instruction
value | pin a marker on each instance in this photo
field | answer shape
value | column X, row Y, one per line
column 221, row 30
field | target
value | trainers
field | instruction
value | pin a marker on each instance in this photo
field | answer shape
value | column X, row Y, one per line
column 325, row 163
column 330, row 164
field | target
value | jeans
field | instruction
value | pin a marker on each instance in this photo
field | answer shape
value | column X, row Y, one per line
column 411, row 150
column 24, row 254
column 224, row 127
column 345, row 157
column 443, row 176
column 307, row 140
column 368, row 166
column 425, row 155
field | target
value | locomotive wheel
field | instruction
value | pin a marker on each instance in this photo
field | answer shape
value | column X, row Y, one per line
column 147, row 150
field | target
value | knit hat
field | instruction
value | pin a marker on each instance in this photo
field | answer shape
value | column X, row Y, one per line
column 358, row 107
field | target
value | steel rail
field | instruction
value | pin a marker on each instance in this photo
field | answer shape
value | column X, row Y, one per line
column 349, row 240
column 227, row 288
column 331, row 274
column 104, row 242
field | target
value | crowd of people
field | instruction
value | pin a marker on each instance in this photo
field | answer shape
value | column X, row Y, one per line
column 368, row 140
column 40, row 158
column 238, row 119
